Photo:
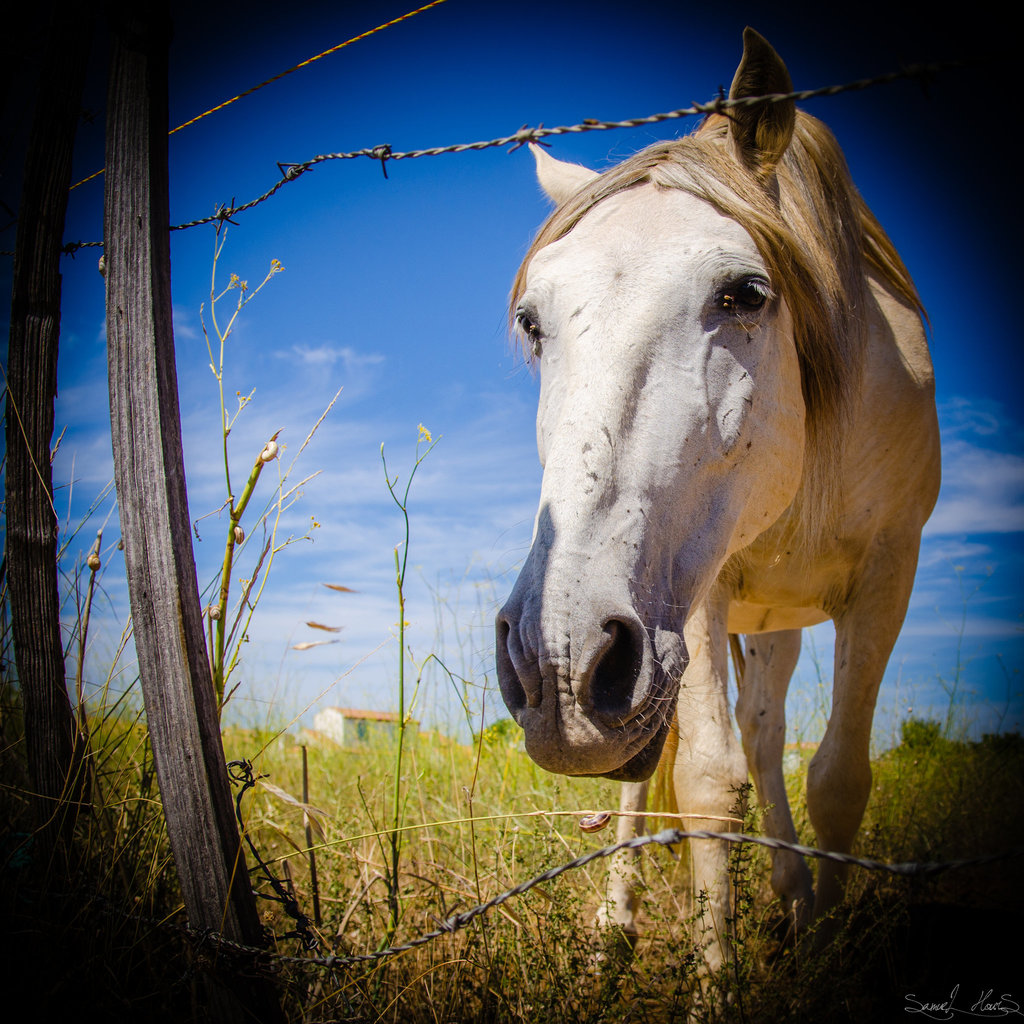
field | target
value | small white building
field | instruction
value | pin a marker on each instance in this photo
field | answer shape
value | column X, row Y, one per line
column 352, row 727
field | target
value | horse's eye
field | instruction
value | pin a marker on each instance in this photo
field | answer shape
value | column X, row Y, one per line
column 745, row 296
column 530, row 328
column 526, row 323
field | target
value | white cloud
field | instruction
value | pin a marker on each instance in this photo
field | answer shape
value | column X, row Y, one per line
column 982, row 491
column 183, row 320
column 950, row 551
column 982, row 417
column 982, row 472
column 328, row 355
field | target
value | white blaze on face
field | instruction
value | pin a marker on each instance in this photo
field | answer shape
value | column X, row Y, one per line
column 660, row 376
column 666, row 426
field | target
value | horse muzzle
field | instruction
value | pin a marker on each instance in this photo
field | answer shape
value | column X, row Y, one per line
column 586, row 684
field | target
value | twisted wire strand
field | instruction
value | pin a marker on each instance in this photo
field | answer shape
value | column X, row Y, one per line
column 667, row 837
column 282, row 74
column 292, row 171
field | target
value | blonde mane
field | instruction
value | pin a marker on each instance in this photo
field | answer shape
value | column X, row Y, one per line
column 818, row 239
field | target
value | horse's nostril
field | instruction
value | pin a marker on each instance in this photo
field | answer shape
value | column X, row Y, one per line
column 512, row 690
column 615, row 675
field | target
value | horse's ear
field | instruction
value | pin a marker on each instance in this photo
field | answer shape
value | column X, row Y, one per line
column 761, row 133
column 559, row 179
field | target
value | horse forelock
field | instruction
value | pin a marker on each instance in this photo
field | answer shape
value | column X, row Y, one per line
column 819, row 240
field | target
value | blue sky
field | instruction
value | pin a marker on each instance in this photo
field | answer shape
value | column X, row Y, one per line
column 395, row 290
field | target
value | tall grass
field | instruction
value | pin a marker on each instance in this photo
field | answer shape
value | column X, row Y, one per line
column 398, row 798
column 479, row 819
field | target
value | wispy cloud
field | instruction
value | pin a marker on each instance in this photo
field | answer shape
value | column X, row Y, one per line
column 327, row 355
column 982, row 472
column 947, row 551
column 184, row 324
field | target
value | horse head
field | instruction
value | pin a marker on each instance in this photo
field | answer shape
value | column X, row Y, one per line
column 670, row 425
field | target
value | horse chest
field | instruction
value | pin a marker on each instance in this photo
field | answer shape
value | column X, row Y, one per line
column 784, row 589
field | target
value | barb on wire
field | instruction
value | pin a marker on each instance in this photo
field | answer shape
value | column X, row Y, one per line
column 224, row 213
column 290, row 171
column 527, row 134
column 384, row 153
column 242, row 772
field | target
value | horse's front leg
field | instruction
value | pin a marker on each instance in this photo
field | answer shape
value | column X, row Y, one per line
column 619, row 909
column 839, row 775
column 710, row 770
column 761, row 715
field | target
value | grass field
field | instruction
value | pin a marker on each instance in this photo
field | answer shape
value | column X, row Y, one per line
column 104, row 931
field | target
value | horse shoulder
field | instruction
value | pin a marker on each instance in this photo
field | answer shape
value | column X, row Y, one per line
column 891, row 461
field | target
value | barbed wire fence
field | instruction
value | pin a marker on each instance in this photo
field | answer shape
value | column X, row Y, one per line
column 269, row 961
column 263, row 959
column 384, row 153
column 292, row 171
column 283, row 74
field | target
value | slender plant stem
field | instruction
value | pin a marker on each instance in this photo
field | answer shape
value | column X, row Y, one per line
column 235, row 536
column 401, row 562
column 93, row 562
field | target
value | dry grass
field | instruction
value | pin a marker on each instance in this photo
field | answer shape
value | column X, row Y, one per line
column 87, row 933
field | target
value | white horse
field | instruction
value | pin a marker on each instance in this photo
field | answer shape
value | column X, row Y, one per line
column 738, row 432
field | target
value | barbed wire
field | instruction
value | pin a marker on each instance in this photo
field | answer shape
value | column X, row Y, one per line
column 282, row 74
column 384, row 153
column 243, row 773
column 667, row 837
column 263, row 959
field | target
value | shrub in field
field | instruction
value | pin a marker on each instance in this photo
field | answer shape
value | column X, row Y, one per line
column 920, row 734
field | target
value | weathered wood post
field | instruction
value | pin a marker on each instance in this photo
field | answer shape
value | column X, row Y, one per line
column 52, row 752
column 149, row 474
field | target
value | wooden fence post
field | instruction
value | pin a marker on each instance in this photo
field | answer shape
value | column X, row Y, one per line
column 181, row 711
column 52, row 750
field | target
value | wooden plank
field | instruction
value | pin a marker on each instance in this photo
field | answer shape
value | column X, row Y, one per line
column 149, row 472
column 52, row 753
